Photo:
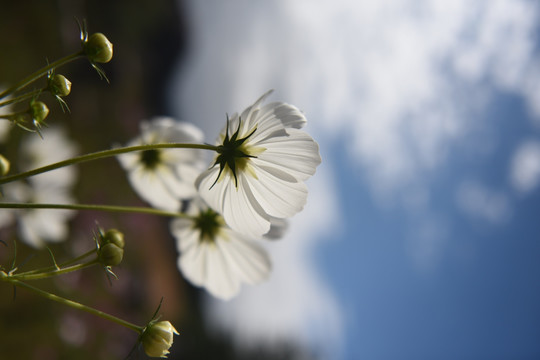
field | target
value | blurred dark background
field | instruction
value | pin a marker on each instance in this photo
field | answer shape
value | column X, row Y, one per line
column 149, row 37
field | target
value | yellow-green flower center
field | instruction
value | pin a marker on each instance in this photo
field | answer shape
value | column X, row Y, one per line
column 209, row 224
column 150, row 158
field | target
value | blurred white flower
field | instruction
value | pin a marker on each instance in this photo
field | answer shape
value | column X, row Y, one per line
column 37, row 226
column 164, row 177
column 263, row 161
column 214, row 256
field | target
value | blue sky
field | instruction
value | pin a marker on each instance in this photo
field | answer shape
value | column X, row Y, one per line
column 421, row 237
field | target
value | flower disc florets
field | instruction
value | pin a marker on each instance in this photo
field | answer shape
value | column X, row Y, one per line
column 150, row 158
column 208, row 223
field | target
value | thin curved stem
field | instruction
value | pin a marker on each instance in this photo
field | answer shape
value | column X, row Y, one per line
column 104, row 154
column 107, row 208
column 21, row 97
column 55, row 272
column 62, row 265
column 76, row 305
column 39, row 73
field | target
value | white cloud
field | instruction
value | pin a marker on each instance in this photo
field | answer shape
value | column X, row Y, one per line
column 398, row 80
column 525, row 166
column 399, row 77
column 483, row 203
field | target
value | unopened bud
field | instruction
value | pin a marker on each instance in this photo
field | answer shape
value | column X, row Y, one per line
column 115, row 237
column 4, row 165
column 39, row 111
column 157, row 339
column 59, row 85
column 98, row 48
column 110, row 254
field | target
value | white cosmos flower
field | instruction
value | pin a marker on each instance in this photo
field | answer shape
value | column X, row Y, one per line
column 38, row 226
column 214, row 256
column 164, row 177
column 263, row 161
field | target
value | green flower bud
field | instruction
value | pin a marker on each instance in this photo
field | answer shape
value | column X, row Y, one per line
column 115, row 237
column 98, row 48
column 39, row 111
column 4, row 165
column 59, row 85
column 110, row 254
column 157, row 339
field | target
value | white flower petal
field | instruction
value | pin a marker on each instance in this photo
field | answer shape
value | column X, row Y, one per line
column 220, row 264
column 278, row 193
column 150, row 186
column 268, row 184
column 251, row 261
column 165, row 184
column 297, row 154
column 222, row 280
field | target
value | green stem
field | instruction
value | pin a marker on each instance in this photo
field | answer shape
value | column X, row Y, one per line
column 76, row 305
column 36, row 75
column 108, row 208
column 104, row 154
column 62, row 265
column 56, row 272
column 21, row 97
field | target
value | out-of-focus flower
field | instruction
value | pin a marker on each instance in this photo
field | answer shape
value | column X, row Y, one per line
column 214, row 256
column 157, row 338
column 37, row 226
column 259, row 172
column 164, row 177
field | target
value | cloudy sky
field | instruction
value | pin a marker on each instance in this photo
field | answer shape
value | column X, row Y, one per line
column 421, row 235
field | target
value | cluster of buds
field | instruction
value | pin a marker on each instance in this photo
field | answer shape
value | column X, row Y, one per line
column 96, row 48
column 156, row 337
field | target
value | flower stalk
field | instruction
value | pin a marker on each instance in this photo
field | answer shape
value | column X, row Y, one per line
column 43, row 274
column 62, row 265
column 103, row 154
column 41, row 72
column 73, row 304
column 105, row 208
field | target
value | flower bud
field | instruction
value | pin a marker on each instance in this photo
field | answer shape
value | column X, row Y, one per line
column 110, row 254
column 38, row 110
column 98, row 48
column 115, row 237
column 157, row 339
column 4, row 165
column 59, row 85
